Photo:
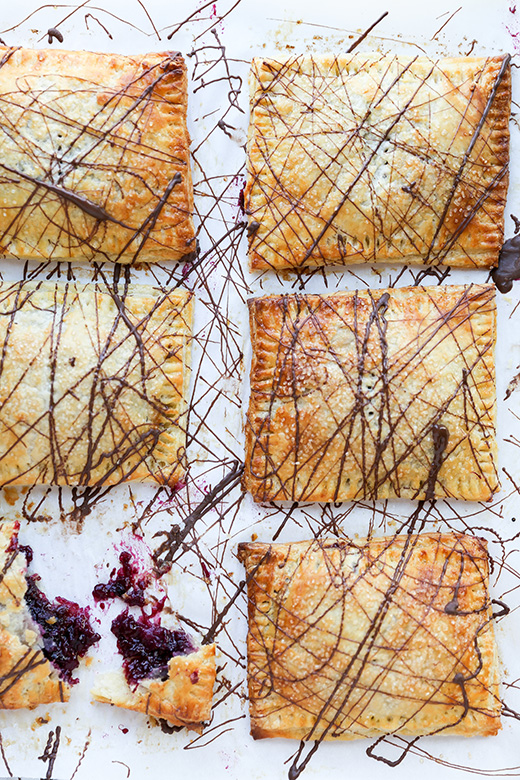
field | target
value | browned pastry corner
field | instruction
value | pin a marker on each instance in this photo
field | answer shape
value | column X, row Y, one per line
column 93, row 383
column 368, row 158
column 373, row 394
column 94, row 156
column 363, row 638
column 27, row 678
column 183, row 699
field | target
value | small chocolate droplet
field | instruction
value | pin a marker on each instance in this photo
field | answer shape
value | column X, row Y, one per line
column 53, row 32
column 452, row 607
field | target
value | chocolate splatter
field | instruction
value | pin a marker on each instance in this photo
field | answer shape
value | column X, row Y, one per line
column 508, row 269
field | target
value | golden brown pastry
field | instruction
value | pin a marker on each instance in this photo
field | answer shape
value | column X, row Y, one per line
column 183, row 698
column 377, row 158
column 373, row 394
column 94, row 156
column 93, row 384
column 364, row 638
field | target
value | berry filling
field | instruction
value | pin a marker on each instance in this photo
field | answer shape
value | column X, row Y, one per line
column 124, row 584
column 65, row 627
column 147, row 647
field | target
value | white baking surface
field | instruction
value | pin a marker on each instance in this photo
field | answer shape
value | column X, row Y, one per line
column 71, row 555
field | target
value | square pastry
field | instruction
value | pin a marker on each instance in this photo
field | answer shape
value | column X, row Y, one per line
column 94, row 156
column 369, row 158
column 373, row 394
column 93, row 383
column 364, row 638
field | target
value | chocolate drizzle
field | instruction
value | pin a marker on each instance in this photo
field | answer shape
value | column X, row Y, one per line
column 78, row 200
column 166, row 551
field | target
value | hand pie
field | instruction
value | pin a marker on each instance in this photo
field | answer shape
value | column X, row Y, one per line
column 93, row 383
column 364, row 638
column 94, row 156
column 40, row 641
column 165, row 674
column 373, row 394
column 367, row 158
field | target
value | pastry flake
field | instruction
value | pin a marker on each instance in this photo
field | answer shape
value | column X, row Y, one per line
column 93, row 383
column 364, row 638
column 94, row 156
column 373, row 394
column 369, row 158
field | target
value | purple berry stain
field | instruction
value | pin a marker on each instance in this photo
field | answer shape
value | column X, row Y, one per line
column 124, row 584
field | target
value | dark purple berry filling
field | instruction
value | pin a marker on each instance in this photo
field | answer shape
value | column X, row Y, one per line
column 147, row 647
column 125, row 584
column 65, row 627
column 27, row 551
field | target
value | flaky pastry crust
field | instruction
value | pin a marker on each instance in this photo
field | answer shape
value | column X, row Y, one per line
column 364, row 638
column 94, row 156
column 27, row 678
column 373, row 394
column 93, row 383
column 377, row 158
column 183, row 699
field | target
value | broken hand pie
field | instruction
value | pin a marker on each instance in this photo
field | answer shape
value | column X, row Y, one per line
column 40, row 641
column 164, row 674
column 368, row 158
column 94, row 156
column 364, row 638
column 373, row 394
column 93, row 383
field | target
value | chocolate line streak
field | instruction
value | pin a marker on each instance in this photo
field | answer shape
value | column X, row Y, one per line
column 188, row 18
column 367, row 32
column 51, row 751
column 176, row 536
column 78, row 200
